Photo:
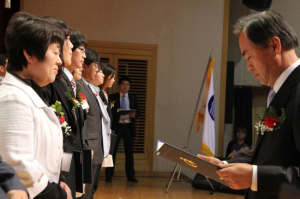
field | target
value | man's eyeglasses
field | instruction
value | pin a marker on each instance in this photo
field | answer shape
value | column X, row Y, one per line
column 82, row 50
column 95, row 65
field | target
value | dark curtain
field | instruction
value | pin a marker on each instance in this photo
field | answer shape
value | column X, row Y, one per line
column 5, row 15
column 243, row 111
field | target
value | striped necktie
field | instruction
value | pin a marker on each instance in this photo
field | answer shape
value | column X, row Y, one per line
column 271, row 95
column 73, row 86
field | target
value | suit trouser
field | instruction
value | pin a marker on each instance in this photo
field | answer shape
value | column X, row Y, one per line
column 125, row 132
column 71, row 178
column 89, row 187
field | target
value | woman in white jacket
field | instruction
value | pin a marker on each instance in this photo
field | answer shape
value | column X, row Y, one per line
column 30, row 132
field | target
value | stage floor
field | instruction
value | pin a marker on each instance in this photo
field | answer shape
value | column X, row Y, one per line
column 153, row 188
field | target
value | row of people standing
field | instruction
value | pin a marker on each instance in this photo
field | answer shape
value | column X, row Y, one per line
column 45, row 58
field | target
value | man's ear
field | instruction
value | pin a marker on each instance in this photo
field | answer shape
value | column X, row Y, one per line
column 28, row 57
column 275, row 43
column 1, row 68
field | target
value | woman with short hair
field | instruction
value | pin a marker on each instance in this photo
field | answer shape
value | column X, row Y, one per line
column 30, row 133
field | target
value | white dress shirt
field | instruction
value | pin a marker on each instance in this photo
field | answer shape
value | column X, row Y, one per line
column 125, row 118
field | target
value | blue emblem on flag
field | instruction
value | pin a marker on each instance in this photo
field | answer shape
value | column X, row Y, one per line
column 211, row 108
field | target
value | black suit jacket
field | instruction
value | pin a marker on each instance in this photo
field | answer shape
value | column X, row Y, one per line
column 277, row 152
column 133, row 104
column 92, row 125
column 75, row 119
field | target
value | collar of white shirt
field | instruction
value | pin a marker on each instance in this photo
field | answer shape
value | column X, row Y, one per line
column 281, row 79
column 86, row 82
column 68, row 73
column 121, row 95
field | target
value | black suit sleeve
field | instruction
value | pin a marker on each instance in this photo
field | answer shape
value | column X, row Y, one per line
column 136, row 106
column 270, row 178
column 8, row 178
column 52, row 191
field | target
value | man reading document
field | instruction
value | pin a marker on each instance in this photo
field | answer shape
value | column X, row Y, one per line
column 267, row 42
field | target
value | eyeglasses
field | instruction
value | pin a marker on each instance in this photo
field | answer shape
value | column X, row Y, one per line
column 95, row 65
column 82, row 49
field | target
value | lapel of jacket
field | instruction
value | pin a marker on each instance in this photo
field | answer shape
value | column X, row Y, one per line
column 68, row 83
column 90, row 92
column 61, row 88
column 281, row 98
column 118, row 98
column 103, row 109
column 130, row 101
column 14, row 81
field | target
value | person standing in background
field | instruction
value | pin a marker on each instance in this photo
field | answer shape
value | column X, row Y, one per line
column 124, row 127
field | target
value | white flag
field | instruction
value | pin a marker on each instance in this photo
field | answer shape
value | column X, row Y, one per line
column 206, row 113
column 208, row 138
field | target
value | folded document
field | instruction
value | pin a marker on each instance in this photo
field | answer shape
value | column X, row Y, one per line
column 189, row 161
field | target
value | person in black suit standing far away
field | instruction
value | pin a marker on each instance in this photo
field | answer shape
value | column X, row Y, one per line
column 267, row 42
column 124, row 127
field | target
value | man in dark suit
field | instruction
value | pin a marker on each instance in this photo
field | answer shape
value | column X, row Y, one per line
column 124, row 127
column 92, row 125
column 74, row 116
column 267, row 42
column 10, row 185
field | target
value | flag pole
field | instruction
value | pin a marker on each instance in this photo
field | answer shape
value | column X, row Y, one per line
column 191, row 128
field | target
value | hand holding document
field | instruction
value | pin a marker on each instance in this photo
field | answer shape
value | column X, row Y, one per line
column 206, row 167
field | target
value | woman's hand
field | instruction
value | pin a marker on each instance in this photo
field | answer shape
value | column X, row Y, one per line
column 17, row 194
column 67, row 189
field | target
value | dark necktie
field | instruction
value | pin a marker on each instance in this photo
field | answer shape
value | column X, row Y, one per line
column 271, row 95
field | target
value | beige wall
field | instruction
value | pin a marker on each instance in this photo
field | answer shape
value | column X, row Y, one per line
column 185, row 32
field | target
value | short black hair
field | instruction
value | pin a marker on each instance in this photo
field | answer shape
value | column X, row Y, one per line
column 243, row 129
column 91, row 56
column 66, row 31
column 3, row 58
column 261, row 27
column 124, row 78
column 32, row 34
column 77, row 39
column 63, row 25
